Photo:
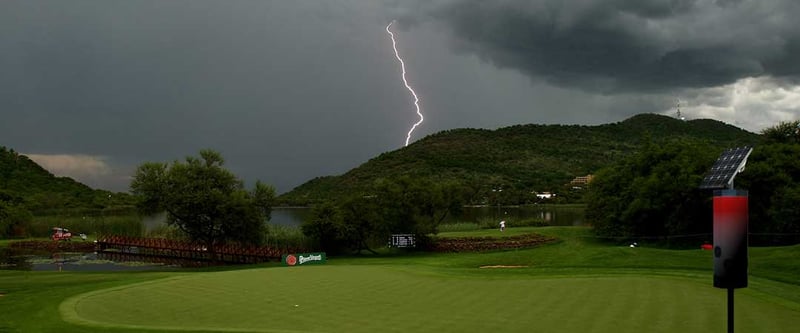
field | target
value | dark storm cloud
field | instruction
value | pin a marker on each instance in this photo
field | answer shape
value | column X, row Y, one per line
column 619, row 46
column 278, row 87
column 291, row 90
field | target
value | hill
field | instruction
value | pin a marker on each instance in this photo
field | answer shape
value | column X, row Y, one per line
column 507, row 164
column 26, row 183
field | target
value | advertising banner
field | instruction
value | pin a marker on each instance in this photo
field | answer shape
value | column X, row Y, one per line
column 299, row 259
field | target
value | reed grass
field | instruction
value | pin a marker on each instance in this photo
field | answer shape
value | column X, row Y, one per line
column 286, row 237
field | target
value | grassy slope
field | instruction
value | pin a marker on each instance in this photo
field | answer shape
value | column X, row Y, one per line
column 575, row 285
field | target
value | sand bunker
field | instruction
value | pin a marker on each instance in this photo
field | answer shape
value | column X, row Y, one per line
column 503, row 266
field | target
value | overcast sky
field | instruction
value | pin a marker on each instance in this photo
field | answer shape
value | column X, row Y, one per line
column 291, row 90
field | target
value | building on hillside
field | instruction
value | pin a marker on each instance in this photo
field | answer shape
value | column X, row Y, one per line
column 579, row 182
column 545, row 195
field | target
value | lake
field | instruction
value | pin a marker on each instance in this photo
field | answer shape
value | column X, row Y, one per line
column 560, row 215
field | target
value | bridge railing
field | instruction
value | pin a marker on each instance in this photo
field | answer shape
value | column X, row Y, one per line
column 175, row 249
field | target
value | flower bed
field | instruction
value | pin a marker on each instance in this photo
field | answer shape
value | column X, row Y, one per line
column 477, row 244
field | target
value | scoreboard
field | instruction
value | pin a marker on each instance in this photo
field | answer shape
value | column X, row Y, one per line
column 402, row 240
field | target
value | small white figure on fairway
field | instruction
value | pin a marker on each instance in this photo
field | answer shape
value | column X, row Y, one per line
column 502, row 225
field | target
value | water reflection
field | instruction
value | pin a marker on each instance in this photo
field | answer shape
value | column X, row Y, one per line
column 289, row 216
column 551, row 214
column 556, row 215
column 32, row 260
column 13, row 259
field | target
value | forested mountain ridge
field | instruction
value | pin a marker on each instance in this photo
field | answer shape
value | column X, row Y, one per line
column 519, row 159
column 25, row 183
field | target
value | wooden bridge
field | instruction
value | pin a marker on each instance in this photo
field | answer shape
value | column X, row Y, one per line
column 183, row 252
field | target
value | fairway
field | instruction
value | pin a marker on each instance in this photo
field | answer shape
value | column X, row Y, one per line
column 381, row 298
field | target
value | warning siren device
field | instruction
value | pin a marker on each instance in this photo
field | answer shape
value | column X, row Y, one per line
column 730, row 223
column 730, row 219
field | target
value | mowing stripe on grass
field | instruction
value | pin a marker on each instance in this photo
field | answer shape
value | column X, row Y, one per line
column 357, row 298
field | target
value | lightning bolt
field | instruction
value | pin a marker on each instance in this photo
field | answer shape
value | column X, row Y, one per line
column 411, row 90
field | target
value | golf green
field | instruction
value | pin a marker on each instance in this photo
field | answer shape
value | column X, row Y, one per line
column 361, row 298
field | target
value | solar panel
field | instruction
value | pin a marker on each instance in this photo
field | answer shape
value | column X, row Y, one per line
column 730, row 163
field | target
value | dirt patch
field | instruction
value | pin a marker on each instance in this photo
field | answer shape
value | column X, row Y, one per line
column 503, row 266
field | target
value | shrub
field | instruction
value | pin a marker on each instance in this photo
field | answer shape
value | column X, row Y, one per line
column 14, row 221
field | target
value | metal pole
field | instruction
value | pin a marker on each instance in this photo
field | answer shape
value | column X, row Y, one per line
column 730, row 310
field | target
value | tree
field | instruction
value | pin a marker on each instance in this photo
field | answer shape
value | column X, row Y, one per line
column 360, row 222
column 772, row 178
column 417, row 206
column 783, row 132
column 324, row 227
column 403, row 205
column 652, row 193
column 14, row 219
column 204, row 200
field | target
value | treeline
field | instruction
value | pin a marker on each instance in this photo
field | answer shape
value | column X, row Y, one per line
column 772, row 177
column 509, row 165
column 653, row 193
